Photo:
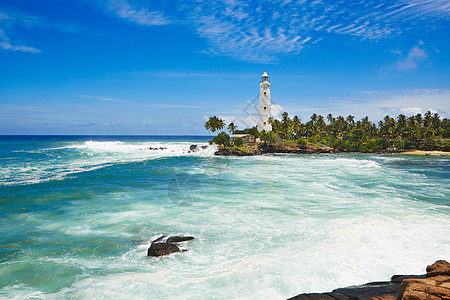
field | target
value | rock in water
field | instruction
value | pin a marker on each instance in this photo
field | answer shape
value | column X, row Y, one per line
column 162, row 246
column 178, row 239
column 160, row 249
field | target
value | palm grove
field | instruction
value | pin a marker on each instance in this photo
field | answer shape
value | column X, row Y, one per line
column 421, row 132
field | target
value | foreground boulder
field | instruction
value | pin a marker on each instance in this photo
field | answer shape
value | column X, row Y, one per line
column 165, row 246
column 435, row 285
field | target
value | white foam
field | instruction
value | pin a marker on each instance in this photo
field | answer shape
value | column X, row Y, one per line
column 93, row 155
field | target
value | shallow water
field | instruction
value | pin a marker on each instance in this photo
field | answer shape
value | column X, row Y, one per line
column 78, row 214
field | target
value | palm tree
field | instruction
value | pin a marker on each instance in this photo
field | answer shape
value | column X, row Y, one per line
column 232, row 128
column 214, row 124
column 330, row 118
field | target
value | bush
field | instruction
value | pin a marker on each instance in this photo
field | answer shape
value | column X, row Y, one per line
column 302, row 142
column 238, row 142
column 270, row 137
column 222, row 139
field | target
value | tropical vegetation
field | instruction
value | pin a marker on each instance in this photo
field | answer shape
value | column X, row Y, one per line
column 421, row 132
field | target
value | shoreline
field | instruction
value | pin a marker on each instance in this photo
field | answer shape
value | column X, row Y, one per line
column 426, row 153
column 260, row 149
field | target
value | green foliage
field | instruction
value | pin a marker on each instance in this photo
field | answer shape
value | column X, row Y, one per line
column 270, row 137
column 238, row 142
column 302, row 142
column 214, row 124
column 222, row 139
column 232, row 127
column 314, row 138
column 427, row 132
column 253, row 131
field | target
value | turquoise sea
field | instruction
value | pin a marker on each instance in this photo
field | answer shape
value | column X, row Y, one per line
column 77, row 214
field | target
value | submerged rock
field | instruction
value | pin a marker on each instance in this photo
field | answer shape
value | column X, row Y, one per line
column 165, row 246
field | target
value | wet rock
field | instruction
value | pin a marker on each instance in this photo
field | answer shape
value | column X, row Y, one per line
column 386, row 290
column 178, row 239
column 399, row 278
column 193, row 148
column 372, row 290
column 435, row 286
column 440, row 267
column 160, row 249
column 167, row 245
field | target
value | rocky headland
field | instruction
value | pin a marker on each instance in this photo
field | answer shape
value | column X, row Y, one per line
column 435, row 285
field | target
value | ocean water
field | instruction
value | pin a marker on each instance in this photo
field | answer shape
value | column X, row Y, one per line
column 77, row 215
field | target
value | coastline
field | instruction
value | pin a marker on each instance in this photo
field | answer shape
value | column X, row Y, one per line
column 260, row 149
column 424, row 152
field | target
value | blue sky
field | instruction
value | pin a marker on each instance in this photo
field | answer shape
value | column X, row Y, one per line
column 162, row 67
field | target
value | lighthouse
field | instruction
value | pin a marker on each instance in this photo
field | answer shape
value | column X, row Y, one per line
column 264, row 112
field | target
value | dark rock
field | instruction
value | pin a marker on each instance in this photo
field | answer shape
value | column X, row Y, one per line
column 193, row 148
column 435, row 285
column 399, row 278
column 160, row 249
column 160, row 239
column 178, row 239
column 318, row 296
column 385, row 290
column 164, row 246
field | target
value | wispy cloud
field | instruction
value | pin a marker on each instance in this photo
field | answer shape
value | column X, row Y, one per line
column 261, row 31
column 136, row 13
column 102, row 98
column 5, row 42
column 12, row 18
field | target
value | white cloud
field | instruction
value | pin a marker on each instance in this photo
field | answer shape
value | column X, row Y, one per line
column 415, row 56
column 408, row 102
column 411, row 110
column 377, row 104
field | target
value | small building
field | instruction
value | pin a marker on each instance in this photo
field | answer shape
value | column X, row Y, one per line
column 246, row 137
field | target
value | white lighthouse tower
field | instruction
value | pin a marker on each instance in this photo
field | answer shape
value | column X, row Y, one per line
column 264, row 112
